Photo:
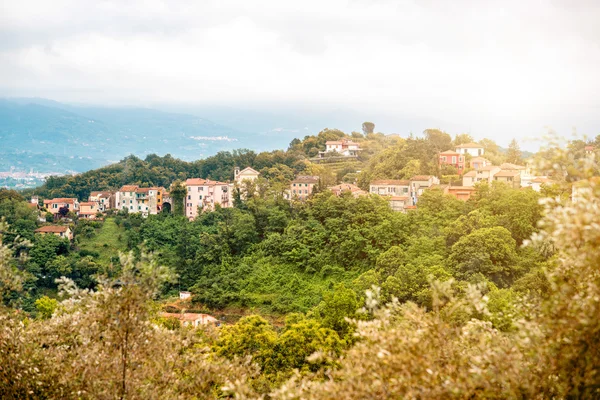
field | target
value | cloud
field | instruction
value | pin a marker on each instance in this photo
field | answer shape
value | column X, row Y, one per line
column 461, row 60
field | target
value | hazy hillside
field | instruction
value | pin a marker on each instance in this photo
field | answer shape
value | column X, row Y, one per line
column 50, row 136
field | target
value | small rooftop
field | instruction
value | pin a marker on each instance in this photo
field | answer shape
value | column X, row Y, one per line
column 61, row 200
column 506, row 173
column 52, row 229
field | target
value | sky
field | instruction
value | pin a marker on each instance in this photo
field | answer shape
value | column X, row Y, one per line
column 507, row 67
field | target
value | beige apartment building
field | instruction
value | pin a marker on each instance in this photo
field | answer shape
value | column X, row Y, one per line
column 140, row 200
column 301, row 187
column 206, row 194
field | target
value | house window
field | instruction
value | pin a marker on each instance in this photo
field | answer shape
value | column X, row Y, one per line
column 444, row 158
column 200, row 197
column 130, row 201
column 405, row 190
column 453, row 159
column 460, row 159
column 189, row 189
column 131, row 207
column 294, row 185
column 202, row 189
column 189, row 197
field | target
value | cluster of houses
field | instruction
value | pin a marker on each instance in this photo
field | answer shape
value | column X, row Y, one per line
column 205, row 194
column 469, row 157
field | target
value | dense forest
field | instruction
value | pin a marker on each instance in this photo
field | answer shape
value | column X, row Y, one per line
column 495, row 297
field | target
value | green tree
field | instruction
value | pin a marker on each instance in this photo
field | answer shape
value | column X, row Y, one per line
column 514, row 155
column 490, row 252
column 336, row 306
column 368, row 127
column 250, row 336
column 45, row 307
column 302, row 339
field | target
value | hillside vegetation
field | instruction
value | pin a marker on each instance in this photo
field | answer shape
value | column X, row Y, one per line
column 495, row 297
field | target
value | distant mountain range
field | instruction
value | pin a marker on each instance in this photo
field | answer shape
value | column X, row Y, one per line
column 50, row 136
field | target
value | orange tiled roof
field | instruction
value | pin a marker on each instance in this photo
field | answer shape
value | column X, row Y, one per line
column 52, row 229
column 60, row 200
column 129, row 188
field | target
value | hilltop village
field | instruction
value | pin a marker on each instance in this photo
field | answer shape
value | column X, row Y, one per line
column 204, row 195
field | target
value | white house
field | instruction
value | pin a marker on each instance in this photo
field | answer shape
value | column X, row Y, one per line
column 184, row 295
column 390, row 187
column 474, row 149
column 344, row 147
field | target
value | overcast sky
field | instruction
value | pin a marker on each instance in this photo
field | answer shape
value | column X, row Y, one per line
column 530, row 62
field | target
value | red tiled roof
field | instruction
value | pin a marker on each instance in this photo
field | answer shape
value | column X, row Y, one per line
column 470, row 174
column 129, row 188
column 142, row 190
column 61, row 200
column 52, row 229
column 87, row 204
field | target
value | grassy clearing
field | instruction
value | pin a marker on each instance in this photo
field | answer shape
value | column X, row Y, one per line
column 108, row 241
